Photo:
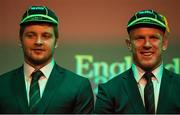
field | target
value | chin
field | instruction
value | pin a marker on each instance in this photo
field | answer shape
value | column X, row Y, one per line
column 148, row 66
column 39, row 61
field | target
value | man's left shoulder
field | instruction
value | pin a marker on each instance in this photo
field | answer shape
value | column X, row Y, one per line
column 69, row 74
column 172, row 74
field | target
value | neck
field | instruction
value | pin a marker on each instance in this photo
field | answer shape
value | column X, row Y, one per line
column 38, row 65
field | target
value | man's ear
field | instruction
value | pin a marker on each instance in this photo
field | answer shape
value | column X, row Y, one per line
column 164, row 43
column 19, row 43
column 128, row 43
column 56, row 44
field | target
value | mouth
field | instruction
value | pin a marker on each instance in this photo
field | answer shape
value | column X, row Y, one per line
column 147, row 54
column 38, row 50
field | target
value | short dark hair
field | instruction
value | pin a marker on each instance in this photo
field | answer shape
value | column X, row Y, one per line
column 23, row 26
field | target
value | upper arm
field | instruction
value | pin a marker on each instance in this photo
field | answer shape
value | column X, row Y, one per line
column 104, row 102
column 85, row 98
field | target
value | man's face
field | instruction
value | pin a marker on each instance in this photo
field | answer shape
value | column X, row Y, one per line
column 38, row 43
column 147, row 45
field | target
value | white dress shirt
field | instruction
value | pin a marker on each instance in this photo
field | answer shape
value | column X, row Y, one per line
column 46, row 70
column 138, row 73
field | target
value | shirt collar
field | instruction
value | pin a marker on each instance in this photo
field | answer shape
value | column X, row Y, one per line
column 138, row 72
column 46, row 70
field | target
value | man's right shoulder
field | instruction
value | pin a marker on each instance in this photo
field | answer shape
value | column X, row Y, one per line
column 117, row 80
column 10, row 73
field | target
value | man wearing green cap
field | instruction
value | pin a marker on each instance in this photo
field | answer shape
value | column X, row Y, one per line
column 147, row 87
column 40, row 85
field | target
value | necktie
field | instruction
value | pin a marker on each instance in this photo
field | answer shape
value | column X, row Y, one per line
column 149, row 93
column 34, row 93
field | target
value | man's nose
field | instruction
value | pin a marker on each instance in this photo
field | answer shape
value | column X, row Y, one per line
column 147, row 43
column 39, row 41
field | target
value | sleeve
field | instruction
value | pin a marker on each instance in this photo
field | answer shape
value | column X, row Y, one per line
column 104, row 103
column 85, row 98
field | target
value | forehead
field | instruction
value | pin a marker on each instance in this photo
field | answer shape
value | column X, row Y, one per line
column 146, row 31
column 39, row 28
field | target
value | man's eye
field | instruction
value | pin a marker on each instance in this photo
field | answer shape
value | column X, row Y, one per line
column 29, row 35
column 46, row 36
column 154, row 37
column 139, row 38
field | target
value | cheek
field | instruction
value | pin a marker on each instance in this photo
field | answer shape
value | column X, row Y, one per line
column 135, row 48
column 26, row 42
column 27, row 45
column 50, row 45
column 158, row 47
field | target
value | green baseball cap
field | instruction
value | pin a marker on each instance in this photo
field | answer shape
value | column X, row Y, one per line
column 148, row 18
column 39, row 14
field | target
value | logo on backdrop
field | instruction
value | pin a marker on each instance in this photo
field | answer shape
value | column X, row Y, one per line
column 101, row 71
